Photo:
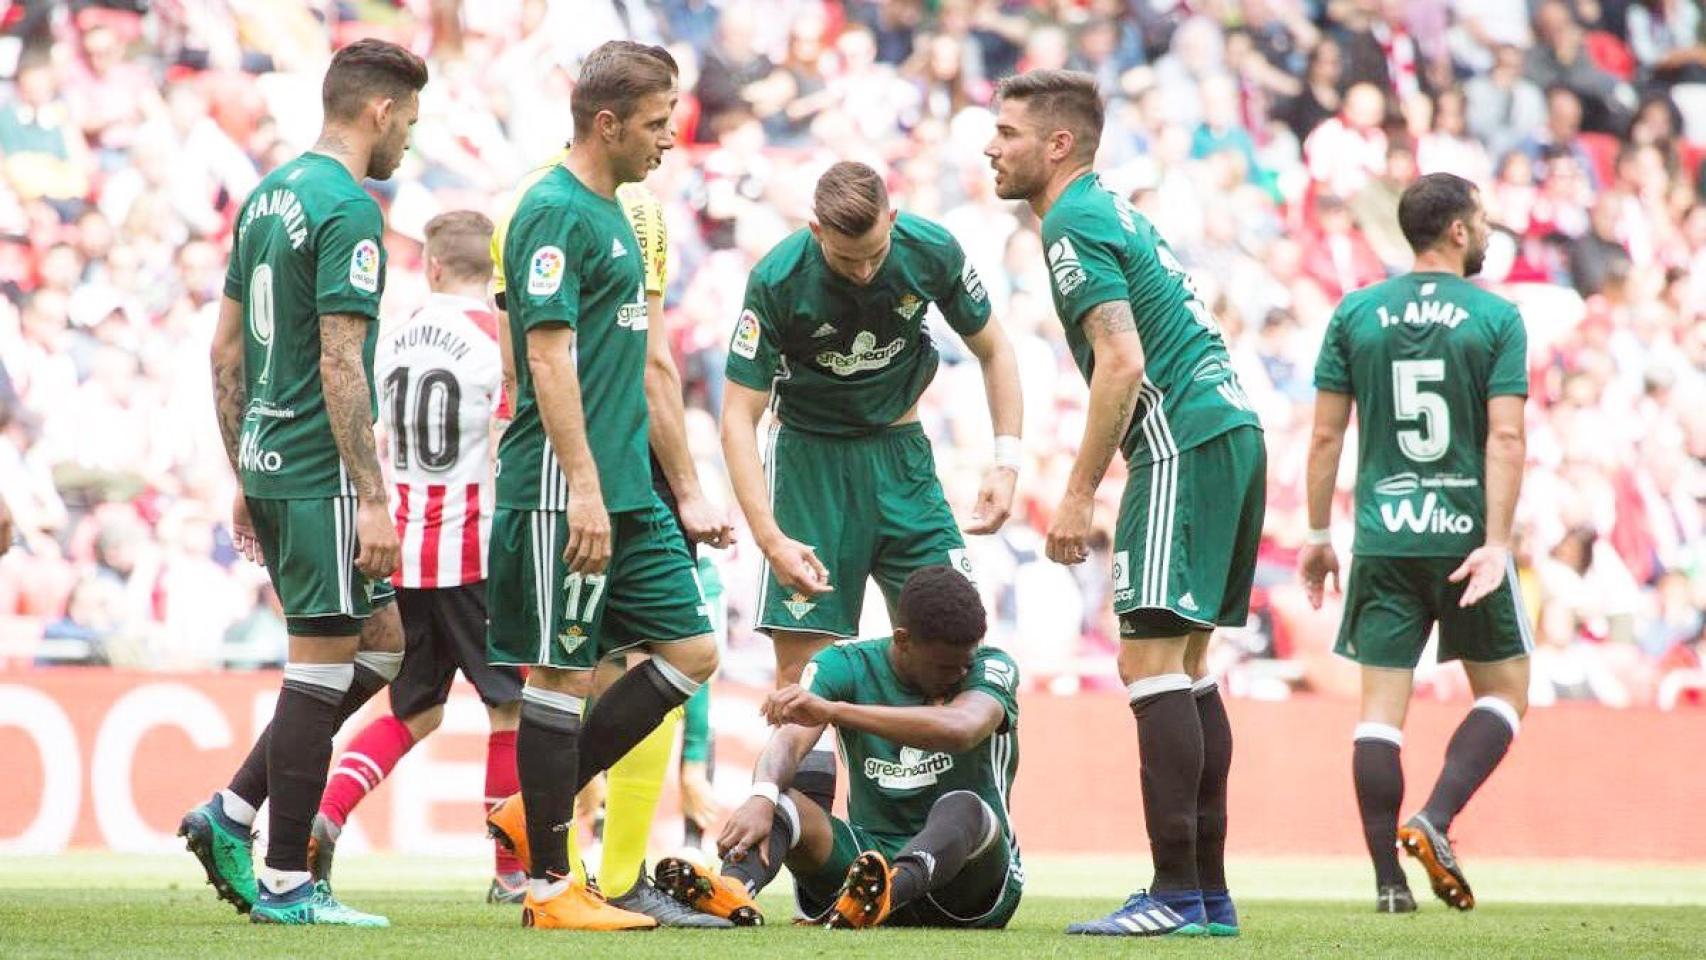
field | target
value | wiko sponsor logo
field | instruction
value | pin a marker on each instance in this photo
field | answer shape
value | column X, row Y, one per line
column 251, row 458
column 1431, row 517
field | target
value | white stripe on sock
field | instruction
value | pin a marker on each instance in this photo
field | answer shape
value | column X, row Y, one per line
column 1379, row 731
column 1204, row 686
column 1502, row 709
column 385, row 663
column 676, row 678
column 332, row 676
column 1150, row 686
column 563, row 702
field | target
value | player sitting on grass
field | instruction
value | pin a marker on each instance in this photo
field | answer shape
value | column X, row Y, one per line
column 928, row 722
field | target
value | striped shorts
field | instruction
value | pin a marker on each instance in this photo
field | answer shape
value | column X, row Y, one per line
column 310, row 549
column 1186, row 539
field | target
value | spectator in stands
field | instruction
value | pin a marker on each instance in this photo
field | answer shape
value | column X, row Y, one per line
column 1448, row 147
column 1318, row 99
column 1560, row 59
column 42, row 154
column 1561, row 134
column 1597, row 253
column 1505, row 107
column 729, row 70
column 1375, row 208
column 1346, row 151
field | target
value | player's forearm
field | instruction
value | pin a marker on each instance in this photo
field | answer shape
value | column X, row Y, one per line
column 1113, row 397
column 746, row 473
column 1000, row 381
column 1506, row 452
column 781, row 757
column 1321, row 476
column 950, row 727
column 343, row 379
column 557, row 389
column 668, row 426
column 230, row 391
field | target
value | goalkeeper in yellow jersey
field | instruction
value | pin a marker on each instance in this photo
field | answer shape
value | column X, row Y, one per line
column 635, row 782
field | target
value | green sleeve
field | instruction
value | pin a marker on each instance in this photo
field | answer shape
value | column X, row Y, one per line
column 542, row 255
column 754, row 350
column 696, row 730
column 829, row 675
column 234, row 269
column 1510, row 361
column 1332, row 367
column 965, row 303
column 349, row 273
column 995, row 673
column 1084, row 264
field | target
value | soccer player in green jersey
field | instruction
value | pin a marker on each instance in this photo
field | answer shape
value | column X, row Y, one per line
column 1162, row 393
column 586, row 561
column 928, row 721
column 1436, row 369
column 292, row 372
column 832, row 342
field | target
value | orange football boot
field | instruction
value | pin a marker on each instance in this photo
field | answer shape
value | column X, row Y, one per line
column 578, row 908
column 865, row 899
column 507, row 824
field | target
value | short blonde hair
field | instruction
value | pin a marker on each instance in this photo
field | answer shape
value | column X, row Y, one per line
column 850, row 198
column 461, row 240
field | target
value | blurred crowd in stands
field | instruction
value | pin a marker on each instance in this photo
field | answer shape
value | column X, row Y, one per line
column 1267, row 139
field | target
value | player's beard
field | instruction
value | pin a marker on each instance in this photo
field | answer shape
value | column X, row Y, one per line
column 1019, row 182
column 1475, row 258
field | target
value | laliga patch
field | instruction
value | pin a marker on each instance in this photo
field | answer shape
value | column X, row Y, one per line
column 364, row 267
column 1122, row 570
column 746, row 336
column 545, row 273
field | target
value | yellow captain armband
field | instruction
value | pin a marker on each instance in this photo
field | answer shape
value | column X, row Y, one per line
column 645, row 215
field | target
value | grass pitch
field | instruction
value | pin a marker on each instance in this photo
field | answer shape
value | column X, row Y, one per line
column 157, row 906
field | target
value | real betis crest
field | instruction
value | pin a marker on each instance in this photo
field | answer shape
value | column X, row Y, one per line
column 909, row 305
column 799, row 606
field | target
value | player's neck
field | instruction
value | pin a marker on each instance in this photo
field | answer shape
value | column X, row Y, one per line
column 466, row 291
column 1057, row 184
column 592, row 170
column 347, row 149
column 1437, row 261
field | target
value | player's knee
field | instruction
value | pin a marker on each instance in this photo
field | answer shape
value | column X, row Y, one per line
column 575, row 683
column 504, row 716
column 425, row 722
column 383, row 631
column 695, row 657
column 961, row 805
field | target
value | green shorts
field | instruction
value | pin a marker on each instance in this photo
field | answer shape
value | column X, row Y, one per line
column 983, row 897
column 541, row 614
column 1186, row 538
column 310, row 548
column 870, row 506
column 1392, row 603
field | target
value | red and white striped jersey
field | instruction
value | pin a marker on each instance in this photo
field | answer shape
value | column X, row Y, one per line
column 440, row 376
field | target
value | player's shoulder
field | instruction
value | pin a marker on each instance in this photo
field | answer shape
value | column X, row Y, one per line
column 922, row 234
column 784, row 260
column 994, row 665
column 1086, row 206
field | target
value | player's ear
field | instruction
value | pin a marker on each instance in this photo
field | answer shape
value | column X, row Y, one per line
column 382, row 109
column 608, row 125
column 902, row 637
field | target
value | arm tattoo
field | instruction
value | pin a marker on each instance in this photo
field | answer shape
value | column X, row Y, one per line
column 1108, row 318
column 230, row 400
column 343, row 379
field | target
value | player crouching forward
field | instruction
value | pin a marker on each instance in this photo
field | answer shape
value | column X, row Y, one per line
column 928, row 721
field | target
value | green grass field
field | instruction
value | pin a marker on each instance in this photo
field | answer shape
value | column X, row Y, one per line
column 93, row 904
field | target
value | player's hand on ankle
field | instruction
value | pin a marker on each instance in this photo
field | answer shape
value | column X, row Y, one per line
column 747, row 830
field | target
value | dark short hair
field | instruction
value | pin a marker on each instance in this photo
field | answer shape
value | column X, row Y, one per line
column 1430, row 205
column 1069, row 99
column 616, row 76
column 849, row 199
column 939, row 605
column 369, row 68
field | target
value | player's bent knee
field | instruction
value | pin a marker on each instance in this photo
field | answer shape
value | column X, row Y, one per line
column 575, row 683
column 424, row 723
column 795, row 650
column 382, row 632
column 696, row 657
column 1140, row 659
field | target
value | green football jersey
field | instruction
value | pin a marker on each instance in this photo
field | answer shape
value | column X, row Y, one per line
column 309, row 242
column 1099, row 249
column 891, row 788
column 570, row 259
column 844, row 359
column 1421, row 354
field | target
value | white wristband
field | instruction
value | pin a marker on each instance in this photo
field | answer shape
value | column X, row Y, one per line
column 1007, row 452
column 766, row 790
column 1319, row 538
